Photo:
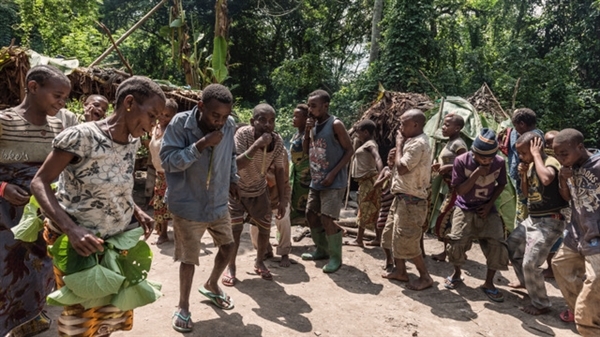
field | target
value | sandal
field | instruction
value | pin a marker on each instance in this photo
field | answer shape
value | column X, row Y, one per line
column 228, row 280
column 264, row 273
column 567, row 316
column 452, row 283
column 188, row 321
column 493, row 294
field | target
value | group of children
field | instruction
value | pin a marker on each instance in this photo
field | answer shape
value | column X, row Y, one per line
column 558, row 185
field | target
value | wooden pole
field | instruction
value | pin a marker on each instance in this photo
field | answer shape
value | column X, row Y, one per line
column 495, row 100
column 514, row 96
column 112, row 40
column 127, row 33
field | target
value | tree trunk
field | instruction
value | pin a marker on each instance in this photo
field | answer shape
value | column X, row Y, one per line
column 375, row 30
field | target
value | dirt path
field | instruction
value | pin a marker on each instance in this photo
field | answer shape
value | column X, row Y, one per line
column 354, row 301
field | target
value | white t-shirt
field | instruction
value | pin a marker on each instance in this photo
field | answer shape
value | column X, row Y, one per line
column 96, row 189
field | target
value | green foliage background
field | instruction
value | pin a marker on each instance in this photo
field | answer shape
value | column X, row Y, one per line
column 279, row 51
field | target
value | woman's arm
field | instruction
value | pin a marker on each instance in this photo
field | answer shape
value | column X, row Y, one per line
column 83, row 241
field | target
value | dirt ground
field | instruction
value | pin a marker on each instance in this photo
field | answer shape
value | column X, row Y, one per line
column 354, row 301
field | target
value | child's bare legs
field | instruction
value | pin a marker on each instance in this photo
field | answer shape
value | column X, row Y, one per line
column 389, row 260
column 261, row 249
column 398, row 272
column 424, row 281
column 548, row 272
column 441, row 256
column 228, row 278
column 161, row 229
column 359, row 238
column 377, row 241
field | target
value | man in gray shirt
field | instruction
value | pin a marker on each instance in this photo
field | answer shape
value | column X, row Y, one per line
column 198, row 156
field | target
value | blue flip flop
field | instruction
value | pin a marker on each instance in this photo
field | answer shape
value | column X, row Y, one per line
column 451, row 283
column 226, row 301
column 183, row 318
column 492, row 294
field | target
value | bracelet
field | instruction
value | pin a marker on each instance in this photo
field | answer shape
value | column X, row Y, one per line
column 247, row 156
column 2, row 187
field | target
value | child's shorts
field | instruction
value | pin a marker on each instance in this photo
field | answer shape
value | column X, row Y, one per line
column 326, row 202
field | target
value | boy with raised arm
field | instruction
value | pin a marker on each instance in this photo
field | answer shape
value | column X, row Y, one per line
column 330, row 150
column 530, row 242
column 257, row 148
column 579, row 256
column 479, row 176
column 410, row 181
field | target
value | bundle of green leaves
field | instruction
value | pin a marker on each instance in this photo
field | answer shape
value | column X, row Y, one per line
column 116, row 276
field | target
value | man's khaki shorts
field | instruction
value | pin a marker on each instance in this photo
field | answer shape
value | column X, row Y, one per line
column 188, row 235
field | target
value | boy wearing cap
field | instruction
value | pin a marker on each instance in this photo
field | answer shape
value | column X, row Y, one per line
column 478, row 176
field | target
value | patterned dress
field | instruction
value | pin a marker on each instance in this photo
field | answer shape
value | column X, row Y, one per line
column 26, row 269
column 161, row 210
column 95, row 189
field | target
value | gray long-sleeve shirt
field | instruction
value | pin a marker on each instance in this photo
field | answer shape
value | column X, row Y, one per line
column 186, row 169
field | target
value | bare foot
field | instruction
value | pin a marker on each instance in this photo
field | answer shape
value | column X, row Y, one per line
column 161, row 239
column 420, row 283
column 373, row 243
column 394, row 274
column 530, row 309
column 285, row 261
column 354, row 243
column 516, row 285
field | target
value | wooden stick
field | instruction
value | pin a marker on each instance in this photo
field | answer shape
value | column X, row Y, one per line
column 514, row 96
column 210, row 164
column 112, row 40
column 495, row 100
column 431, row 84
column 127, row 33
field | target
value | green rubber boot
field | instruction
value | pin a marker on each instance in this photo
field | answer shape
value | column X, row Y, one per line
column 335, row 253
column 320, row 239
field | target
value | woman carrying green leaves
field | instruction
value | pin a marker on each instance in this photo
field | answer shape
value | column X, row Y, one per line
column 89, row 212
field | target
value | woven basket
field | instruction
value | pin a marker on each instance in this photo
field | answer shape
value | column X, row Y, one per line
column 76, row 321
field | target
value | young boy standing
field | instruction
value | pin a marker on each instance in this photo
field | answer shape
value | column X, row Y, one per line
column 330, row 151
column 530, row 243
column 197, row 156
column 257, row 148
column 410, row 182
column 580, row 253
column 524, row 120
column 479, row 176
column 300, row 168
column 456, row 146
column 283, row 225
column 548, row 273
column 365, row 169
column 383, row 182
